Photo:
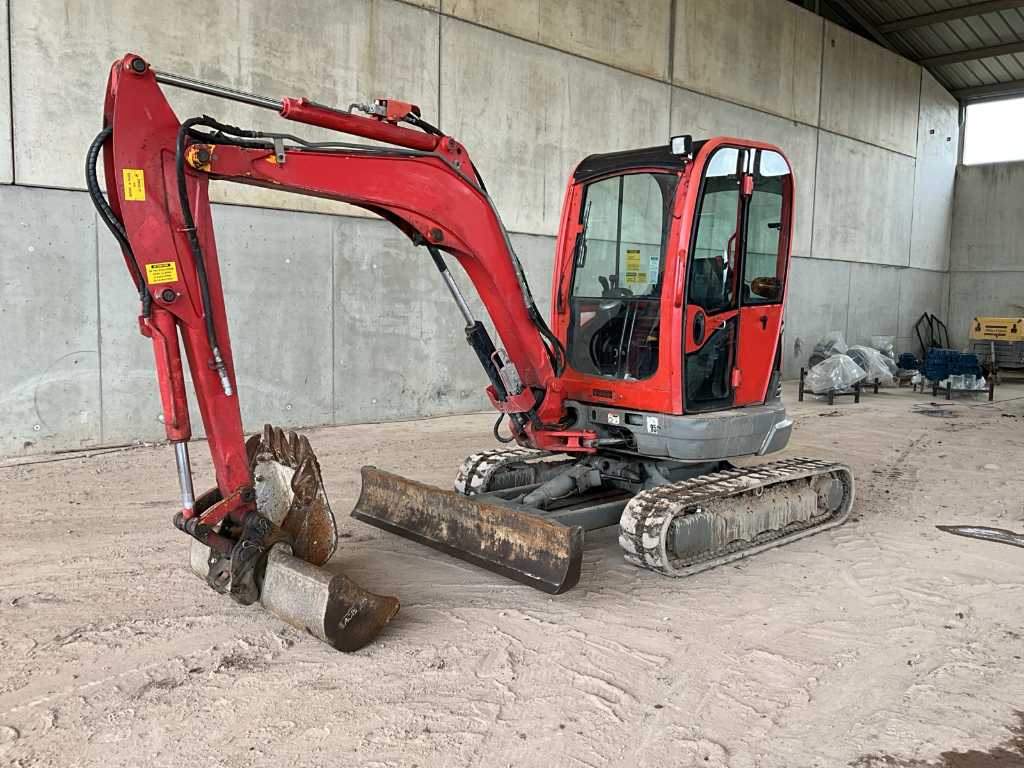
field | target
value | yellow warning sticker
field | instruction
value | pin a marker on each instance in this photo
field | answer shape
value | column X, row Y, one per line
column 134, row 184
column 633, row 260
column 161, row 272
column 636, row 277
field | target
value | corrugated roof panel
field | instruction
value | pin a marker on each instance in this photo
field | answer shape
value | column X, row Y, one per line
column 1011, row 64
column 968, row 33
column 978, row 31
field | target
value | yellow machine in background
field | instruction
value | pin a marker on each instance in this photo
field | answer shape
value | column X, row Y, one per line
column 999, row 341
column 1008, row 329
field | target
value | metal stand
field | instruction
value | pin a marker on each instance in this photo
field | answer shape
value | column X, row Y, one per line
column 949, row 388
column 833, row 394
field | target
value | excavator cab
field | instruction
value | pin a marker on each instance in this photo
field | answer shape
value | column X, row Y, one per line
column 660, row 362
column 669, row 291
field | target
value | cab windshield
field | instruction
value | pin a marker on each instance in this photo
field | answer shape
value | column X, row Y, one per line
column 619, row 263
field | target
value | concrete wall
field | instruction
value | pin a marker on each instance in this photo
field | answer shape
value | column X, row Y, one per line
column 359, row 327
column 987, row 268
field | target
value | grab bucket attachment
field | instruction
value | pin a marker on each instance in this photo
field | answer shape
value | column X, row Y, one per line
column 513, row 542
column 290, row 494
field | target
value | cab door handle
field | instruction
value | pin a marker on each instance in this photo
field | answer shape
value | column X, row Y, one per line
column 764, row 322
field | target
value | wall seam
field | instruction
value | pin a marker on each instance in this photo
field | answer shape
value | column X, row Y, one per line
column 331, row 217
column 671, row 73
column 99, row 323
column 10, row 81
column 952, row 224
column 698, row 93
column 817, row 142
column 440, row 40
column 917, row 159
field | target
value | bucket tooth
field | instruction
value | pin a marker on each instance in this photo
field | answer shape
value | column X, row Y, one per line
column 290, row 491
column 528, row 548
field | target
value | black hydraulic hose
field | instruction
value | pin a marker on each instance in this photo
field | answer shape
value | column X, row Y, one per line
column 197, row 251
column 497, row 435
column 114, row 224
column 422, row 124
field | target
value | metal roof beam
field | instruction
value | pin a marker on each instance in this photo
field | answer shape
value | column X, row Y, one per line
column 990, row 92
column 950, row 14
column 849, row 9
column 974, row 54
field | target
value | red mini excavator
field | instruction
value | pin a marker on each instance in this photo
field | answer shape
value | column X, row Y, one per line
column 661, row 360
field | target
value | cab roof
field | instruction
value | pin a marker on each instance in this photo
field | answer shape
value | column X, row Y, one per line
column 661, row 156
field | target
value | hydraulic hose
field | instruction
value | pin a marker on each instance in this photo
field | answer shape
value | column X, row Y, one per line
column 497, row 435
column 114, row 224
column 197, row 251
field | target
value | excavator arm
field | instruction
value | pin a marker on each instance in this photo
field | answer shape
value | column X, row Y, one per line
column 269, row 490
column 425, row 184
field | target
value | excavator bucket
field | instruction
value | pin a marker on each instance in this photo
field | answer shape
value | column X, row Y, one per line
column 526, row 547
column 290, row 493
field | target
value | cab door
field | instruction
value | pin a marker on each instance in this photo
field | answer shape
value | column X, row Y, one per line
column 712, row 321
column 735, row 281
column 764, row 266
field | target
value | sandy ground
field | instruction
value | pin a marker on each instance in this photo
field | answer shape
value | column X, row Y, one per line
column 883, row 643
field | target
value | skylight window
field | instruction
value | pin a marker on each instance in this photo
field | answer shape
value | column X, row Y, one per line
column 994, row 132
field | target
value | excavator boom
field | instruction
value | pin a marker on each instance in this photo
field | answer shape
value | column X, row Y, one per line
column 269, row 496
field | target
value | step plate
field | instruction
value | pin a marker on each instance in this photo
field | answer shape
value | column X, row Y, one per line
column 515, row 543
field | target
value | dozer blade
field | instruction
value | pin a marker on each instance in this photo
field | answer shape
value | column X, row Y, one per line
column 290, row 493
column 525, row 547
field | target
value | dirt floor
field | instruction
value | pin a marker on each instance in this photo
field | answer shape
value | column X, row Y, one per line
column 883, row 643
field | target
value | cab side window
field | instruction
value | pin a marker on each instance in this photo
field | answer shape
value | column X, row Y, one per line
column 764, row 269
column 713, row 261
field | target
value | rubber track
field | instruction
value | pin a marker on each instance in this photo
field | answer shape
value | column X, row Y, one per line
column 646, row 522
column 477, row 470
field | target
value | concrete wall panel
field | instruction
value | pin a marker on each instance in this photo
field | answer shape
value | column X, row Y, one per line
column 874, row 302
column 128, row 383
column 703, row 116
column 868, row 92
column 333, row 53
column 276, row 269
column 938, row 134
column 400, row 348
column 762, row 53
column 920, row 291
column 987, row 217
column 632, row 36
column 6, row 157
column 863, row 203
column 994, row 294
column 528, row 115
column 49, row 380
column 816, row 304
